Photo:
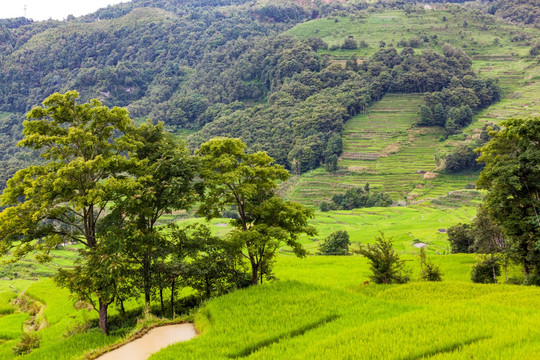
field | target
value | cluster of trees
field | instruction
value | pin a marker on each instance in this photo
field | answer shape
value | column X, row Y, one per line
column 511, row 177
column 355, row 198
column 465, row 157
column 518, row 11
column 507, row 225
column 141, row 56
column 337, row 243
column 12, row 158
column 309, row 99
column 192, row 64
column 486, row 237
column 453, row 106
column 105, row 184
column 350, row 43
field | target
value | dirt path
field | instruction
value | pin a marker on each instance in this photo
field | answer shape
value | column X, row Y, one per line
column 153, row 341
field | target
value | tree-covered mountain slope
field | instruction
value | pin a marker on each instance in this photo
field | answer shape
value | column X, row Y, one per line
column 285, row 76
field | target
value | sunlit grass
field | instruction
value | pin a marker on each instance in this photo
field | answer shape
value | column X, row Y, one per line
column 321, row 310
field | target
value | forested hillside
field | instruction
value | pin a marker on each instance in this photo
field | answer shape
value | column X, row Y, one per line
column 241, row 69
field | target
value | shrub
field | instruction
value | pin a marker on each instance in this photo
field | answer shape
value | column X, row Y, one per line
column 385, row 264
column 28, row 342
column 350, row 44
column 486, row 271
column 324, row 206
column 461, row 238
column 428, row 270
column 337, row 243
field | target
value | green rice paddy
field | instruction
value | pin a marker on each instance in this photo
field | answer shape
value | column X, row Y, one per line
column 321, row 309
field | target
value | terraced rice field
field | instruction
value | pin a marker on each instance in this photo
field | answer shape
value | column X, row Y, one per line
column 520, row 81
column 384, row 149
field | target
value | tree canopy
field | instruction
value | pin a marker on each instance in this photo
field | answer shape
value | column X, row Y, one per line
column 512, row 178
column 232, row 178
column 84, row 147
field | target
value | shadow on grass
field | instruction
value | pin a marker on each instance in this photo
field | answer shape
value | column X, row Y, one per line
column 297, row 332
column 447, row 348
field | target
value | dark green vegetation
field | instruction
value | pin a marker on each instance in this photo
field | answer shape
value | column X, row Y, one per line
column 337, row 243
column 512, row 178
column 356, row 198
column 192, row 64
column 104, row 185
column 385, row 263
column 391, row 94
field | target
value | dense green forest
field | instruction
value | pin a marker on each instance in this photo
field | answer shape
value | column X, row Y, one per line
column 226, row 68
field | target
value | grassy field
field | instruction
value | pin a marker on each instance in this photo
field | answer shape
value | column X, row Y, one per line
column 478, row 36
column 321, row 310
column 64, row 337
column 406, row 225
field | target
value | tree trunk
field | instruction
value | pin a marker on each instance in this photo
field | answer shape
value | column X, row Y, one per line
column 493, row 268
column 146, row 286
column 103, row 323
column 254, row 273
column 122, row 308
column 161, row 299
column 172, row 298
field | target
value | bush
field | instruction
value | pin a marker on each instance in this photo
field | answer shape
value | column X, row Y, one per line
column 461, row 238
column 386, row 265
column 337, row 243
column 28, row 342
column 486, row 271
column 428, row 270
column 349, row 44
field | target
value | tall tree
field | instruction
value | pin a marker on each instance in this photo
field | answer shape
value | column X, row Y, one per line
column 166, row 180
column 85, row 170
column 247, row 183
column 512, row 178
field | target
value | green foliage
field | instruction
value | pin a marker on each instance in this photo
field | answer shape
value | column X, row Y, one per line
column 358, row 198
column 428, row 270
column 512, row 178
column 27, row 343
column 386, row 266
column 349, row 44
column 337, row 243
column 519, row 11
column 207, row 263
column 486, row 271
column 463, row 158
column 461, row 238
column 247, row 182
column 64, row 200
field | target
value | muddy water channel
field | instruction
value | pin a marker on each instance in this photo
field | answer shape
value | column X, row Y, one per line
column 153, row 341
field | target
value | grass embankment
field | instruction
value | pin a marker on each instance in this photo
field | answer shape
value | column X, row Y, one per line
column 63, row 337
column 320, row 310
